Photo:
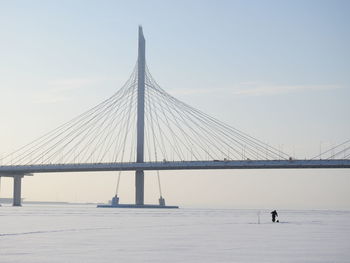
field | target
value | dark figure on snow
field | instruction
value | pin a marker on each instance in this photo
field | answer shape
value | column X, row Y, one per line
column 274, row 214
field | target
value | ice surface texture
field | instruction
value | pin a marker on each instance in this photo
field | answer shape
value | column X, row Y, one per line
column 87, row 234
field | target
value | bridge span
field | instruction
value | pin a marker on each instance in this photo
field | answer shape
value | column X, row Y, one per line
column 176, row 165
column 19, row 171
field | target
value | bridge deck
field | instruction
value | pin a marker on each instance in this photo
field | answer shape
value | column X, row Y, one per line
column 179, row 165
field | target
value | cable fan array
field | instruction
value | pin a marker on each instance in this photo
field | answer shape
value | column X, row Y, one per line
column 340, row 151
column 174, row 131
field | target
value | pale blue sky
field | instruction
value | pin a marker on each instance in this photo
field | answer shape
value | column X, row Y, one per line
column 278, row 70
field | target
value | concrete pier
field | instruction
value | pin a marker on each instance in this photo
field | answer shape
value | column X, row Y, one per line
column 17, row 185
column 139, row 187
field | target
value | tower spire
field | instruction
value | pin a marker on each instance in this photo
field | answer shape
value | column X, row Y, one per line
column 141, row 64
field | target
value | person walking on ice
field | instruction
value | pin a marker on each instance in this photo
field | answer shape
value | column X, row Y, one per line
column 274, row 215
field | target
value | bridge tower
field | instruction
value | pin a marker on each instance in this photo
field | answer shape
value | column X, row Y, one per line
column 139, row 174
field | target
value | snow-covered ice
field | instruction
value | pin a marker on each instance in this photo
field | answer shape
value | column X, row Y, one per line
column 88, row 234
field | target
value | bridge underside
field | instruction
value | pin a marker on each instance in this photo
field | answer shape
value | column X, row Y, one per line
column 185, row 165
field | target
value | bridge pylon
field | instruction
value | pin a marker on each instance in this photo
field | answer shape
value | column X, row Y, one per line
column 141, row 69
column 140, row 134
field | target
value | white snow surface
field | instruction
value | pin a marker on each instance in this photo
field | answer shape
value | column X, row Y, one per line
column 84, row 233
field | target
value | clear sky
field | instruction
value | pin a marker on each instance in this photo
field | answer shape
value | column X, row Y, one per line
column 278, row 70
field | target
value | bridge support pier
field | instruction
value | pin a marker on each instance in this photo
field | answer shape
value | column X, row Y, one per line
column 17, row 185
column 139, row 187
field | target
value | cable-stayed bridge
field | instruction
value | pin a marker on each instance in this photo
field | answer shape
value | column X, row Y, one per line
column 142, row 127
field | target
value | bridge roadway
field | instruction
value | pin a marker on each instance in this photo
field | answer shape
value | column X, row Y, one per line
column 176, row 165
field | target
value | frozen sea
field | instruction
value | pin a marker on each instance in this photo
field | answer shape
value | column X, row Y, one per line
column 84, row 233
